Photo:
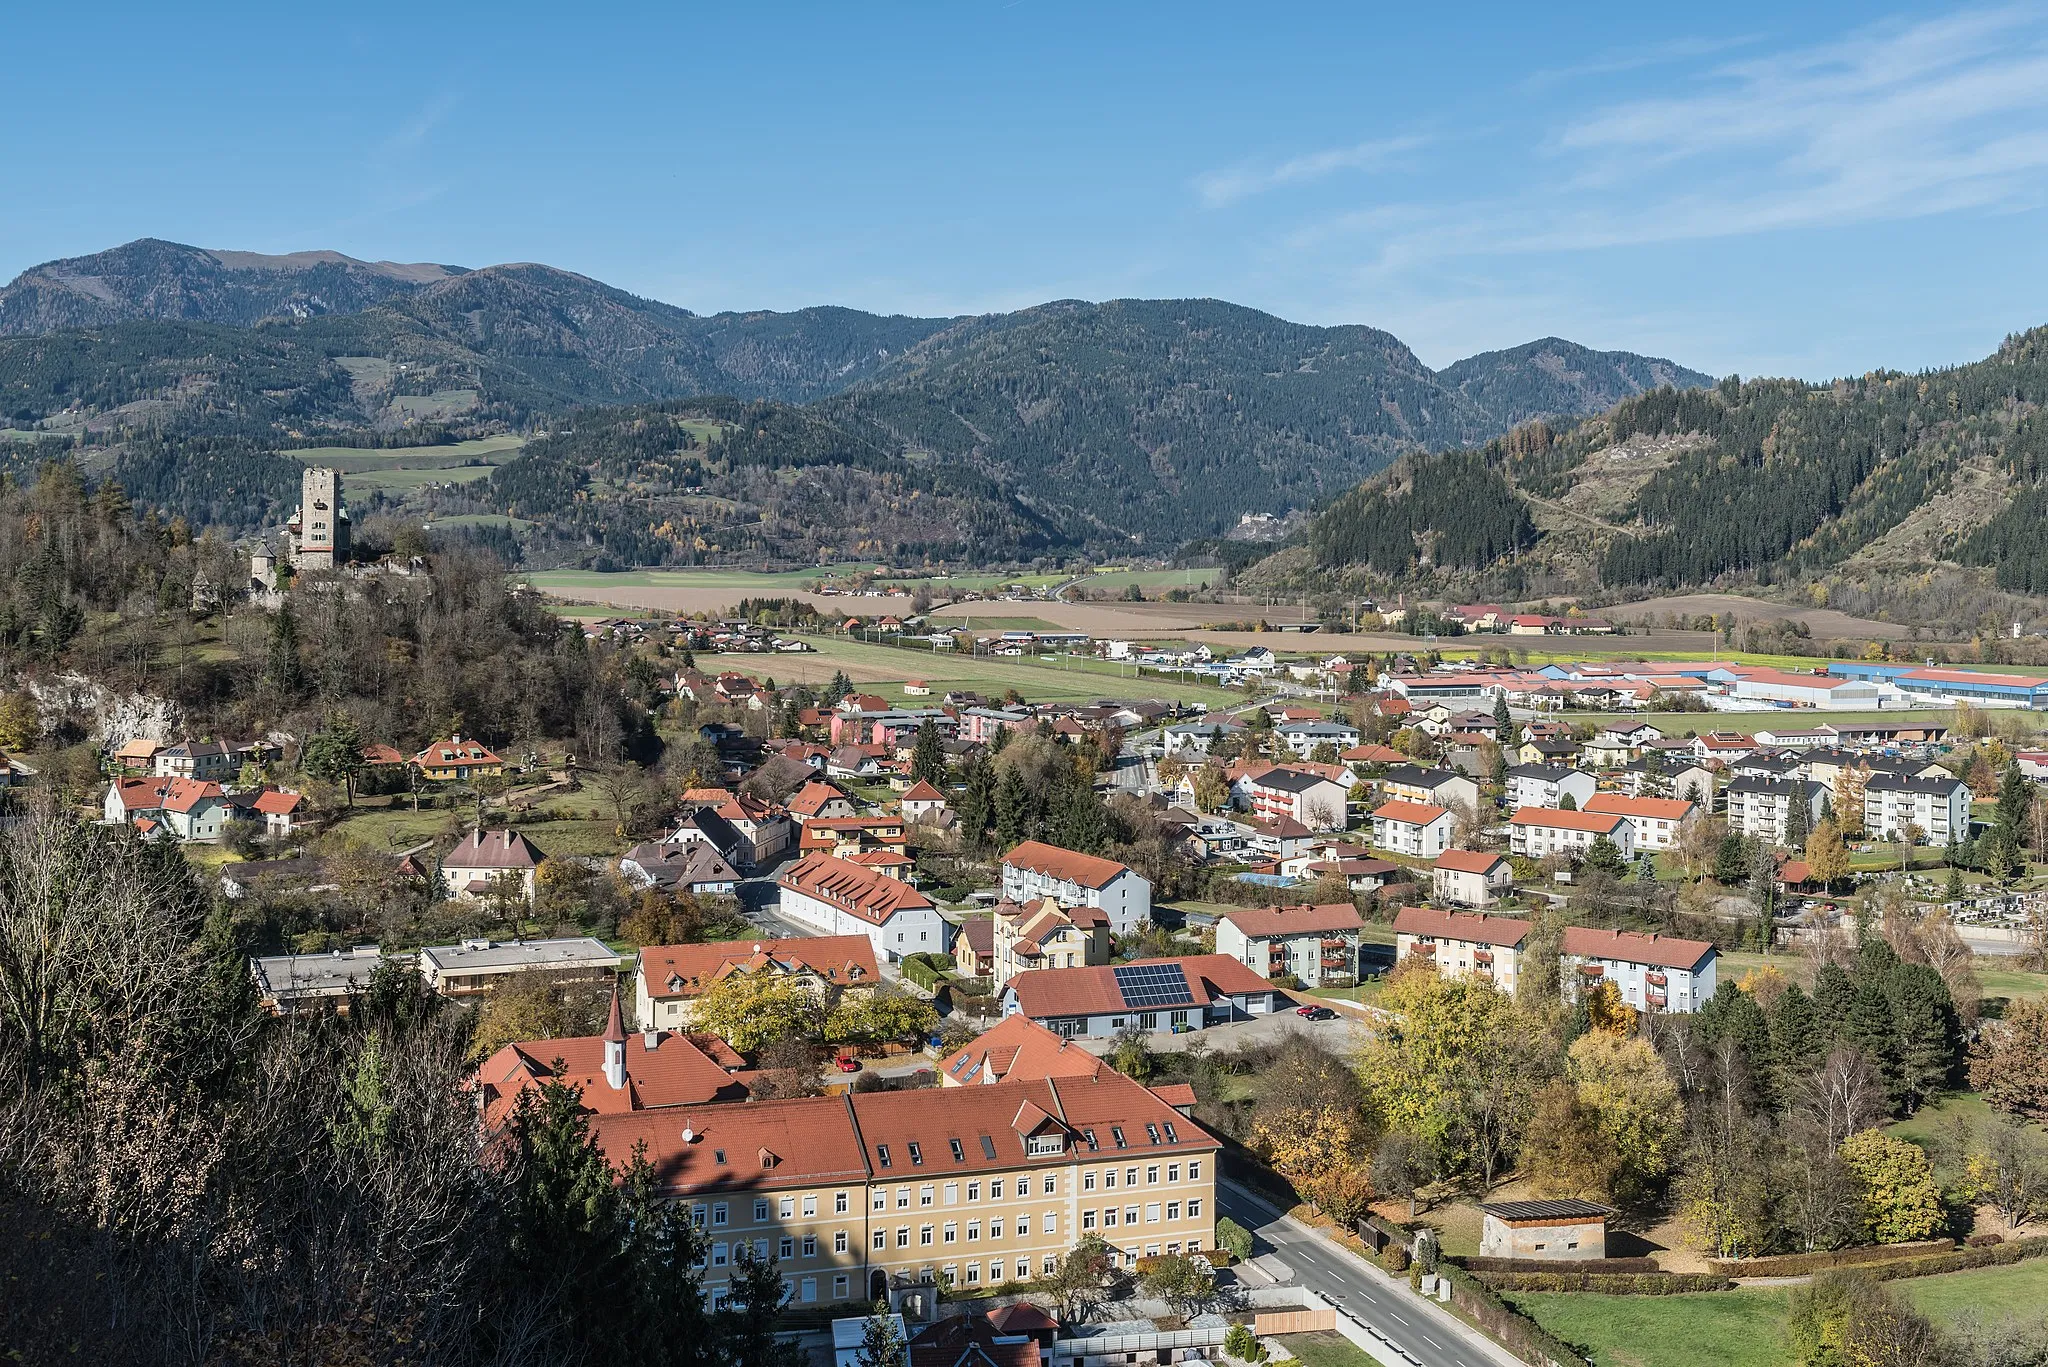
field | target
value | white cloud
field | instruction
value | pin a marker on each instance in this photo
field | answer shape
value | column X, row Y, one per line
column 1218, row 188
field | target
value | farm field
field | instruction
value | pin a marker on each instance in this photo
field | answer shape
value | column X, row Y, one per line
column 1004, row 623
column 1743, row 1328
column 357, row 460
column 741, row 583
column 1069, row 679
column 1151, row 579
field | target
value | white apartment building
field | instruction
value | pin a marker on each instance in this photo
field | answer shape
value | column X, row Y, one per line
column 1034, row 871
column 1417, row 829
column 1312, row 943
column 1539, row 832
column 1471, row 878
column 1763, row 807
column 1462, row 944
column 1940, row 807
column 1657, row 820
column 1653, row 972
column 1547, row 785
column 1435, row 787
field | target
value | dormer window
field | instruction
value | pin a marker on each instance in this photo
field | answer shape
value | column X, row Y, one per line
column 1116, row 1132
column 1045, row 1145
column 882, row 1155
column 916, row 1155
column 718, row 1155
column 959, row 1153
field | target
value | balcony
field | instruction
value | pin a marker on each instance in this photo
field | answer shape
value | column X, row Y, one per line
column 1592, row 971
column 1655, row 979
column 1482, row 956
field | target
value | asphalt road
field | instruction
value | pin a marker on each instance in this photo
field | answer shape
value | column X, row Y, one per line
column 1429, row 1334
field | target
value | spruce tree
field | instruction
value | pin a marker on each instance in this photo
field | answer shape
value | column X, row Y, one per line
column 283, row 674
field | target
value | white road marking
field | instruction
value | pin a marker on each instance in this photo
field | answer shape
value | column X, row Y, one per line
column 1433, row 1343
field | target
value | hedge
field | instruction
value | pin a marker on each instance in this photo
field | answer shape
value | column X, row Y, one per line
column 1638, row 1284
column 1628, row 1266
column 1515, row 1331
column 1963, row 1259
column 920, row 970
column 1800, row 1264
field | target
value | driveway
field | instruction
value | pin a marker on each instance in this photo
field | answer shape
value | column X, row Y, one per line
column 1429, row 1334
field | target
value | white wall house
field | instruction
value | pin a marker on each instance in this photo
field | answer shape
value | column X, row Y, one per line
column 1461, row 944
column 1546, row 785
column 1313, row 943
column 1940, row 807
column 1763, row 807
column 1417, row 829
column 1302, row 737
column 835, row 897
column 1471, row 878
column 1653, row 972
column 1538, row 832
column 1035, row 870
column 1433, row 787
column 1657, row 820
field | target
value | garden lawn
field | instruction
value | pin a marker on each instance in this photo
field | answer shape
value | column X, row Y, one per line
column 1992, row 1292
column 1327, row 1348
column 2014, row 984
column 1744, row 1328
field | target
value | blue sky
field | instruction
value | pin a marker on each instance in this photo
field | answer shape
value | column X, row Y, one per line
column 1783, row 189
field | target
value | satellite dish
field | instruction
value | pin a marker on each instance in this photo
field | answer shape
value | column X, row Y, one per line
column 689, row 1135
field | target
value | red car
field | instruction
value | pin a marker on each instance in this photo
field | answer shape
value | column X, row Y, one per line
column 848, row 1064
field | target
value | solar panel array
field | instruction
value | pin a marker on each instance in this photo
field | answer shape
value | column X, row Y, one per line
column 1145, row 986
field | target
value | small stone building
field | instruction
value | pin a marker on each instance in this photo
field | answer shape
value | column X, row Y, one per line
column 1567, row 1231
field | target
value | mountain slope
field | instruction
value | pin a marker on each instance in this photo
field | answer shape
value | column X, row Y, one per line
column 1160, row 420
column 1551, row 376
column 1747, row 483
column 167, row 281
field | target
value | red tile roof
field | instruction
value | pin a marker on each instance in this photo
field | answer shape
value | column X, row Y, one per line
column 814, row 797
column 186, row 794
column 675, row 971
column 1018, row 1049
column 141, row 794
column 274, row 802
column 1628, row 946
column 873, row 897
column 922, row 791
column 673, row 1073
column 1267, row 922
column 1600, row 823
column 455, row 751
column 1093, row 991
column 1431, row 924
column 1410, row 813
column 1469, row 861
column 1373, row 754
column 1085, row 869
column 482, row 849
column 1666, row 808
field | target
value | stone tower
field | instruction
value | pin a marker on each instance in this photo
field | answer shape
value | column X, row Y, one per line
column 320, row 529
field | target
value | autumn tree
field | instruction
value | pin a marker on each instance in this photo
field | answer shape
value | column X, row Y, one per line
column 2010, row 1062
column 1636, row 1103
column 1566, row 1151
column 1900, row 1200
column 1827, row 857
column 750, row 1009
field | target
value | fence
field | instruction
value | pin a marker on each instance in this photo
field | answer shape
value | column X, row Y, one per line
column 1105, row 1348
column 1293, row 1321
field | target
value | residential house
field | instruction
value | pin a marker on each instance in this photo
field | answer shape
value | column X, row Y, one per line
column 819, row 799
column 1725, row 746
column 1314, row 800
column 1302, row 737
column 1315, row 944
column 1043, row 934
column 458, row 760
column 922, row 802
column 1035, row 870
column 1547, row 785
column 1175, row 995
column 835, row 1188
column 1471, row 878
column 1658, row 821
column 1198, row 736
column 1461, row 944
column 1653, row 972
column 1434, row 787
column 487, row 862
column 1763, row 807
column 478, row 965
column 1938, row 807
column 692, row 867
column 1359, row 872
column 1551, row 750
column 296, row 982
column 204, row 760
column 668, row 980
column 195, row 811
column 835, row 897
column 1417, row 829
column 133, row 799
column 1016, row 1049
column 974, row 947
column 1538, row 832
column 283, row 813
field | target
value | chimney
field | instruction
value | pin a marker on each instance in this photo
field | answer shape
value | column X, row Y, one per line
column 615, row 1046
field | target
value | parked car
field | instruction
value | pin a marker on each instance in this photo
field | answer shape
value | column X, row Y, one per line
column 1316, row 1013
column 847, row 1064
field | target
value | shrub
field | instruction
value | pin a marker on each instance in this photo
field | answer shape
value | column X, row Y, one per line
column 1626, row 1266
column 1984, row 1240
column 1800, row 1264
column 1395, row 1259
column 1242, row 1344
column 1234, row 1238
column 2001, row 1254
column 1638, row 1284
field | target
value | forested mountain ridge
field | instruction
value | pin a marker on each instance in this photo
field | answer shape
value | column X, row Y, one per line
column 1552, row 376
column 1748, row 483
column 1128, row 423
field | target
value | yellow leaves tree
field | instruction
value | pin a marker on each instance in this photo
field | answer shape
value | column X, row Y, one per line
column 1628, row 1088
column 1827, row 858
column 753, row 1009
column 1900, row 1200
column 20, row 728
column 1606, row 1012
column 1305, row 1144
